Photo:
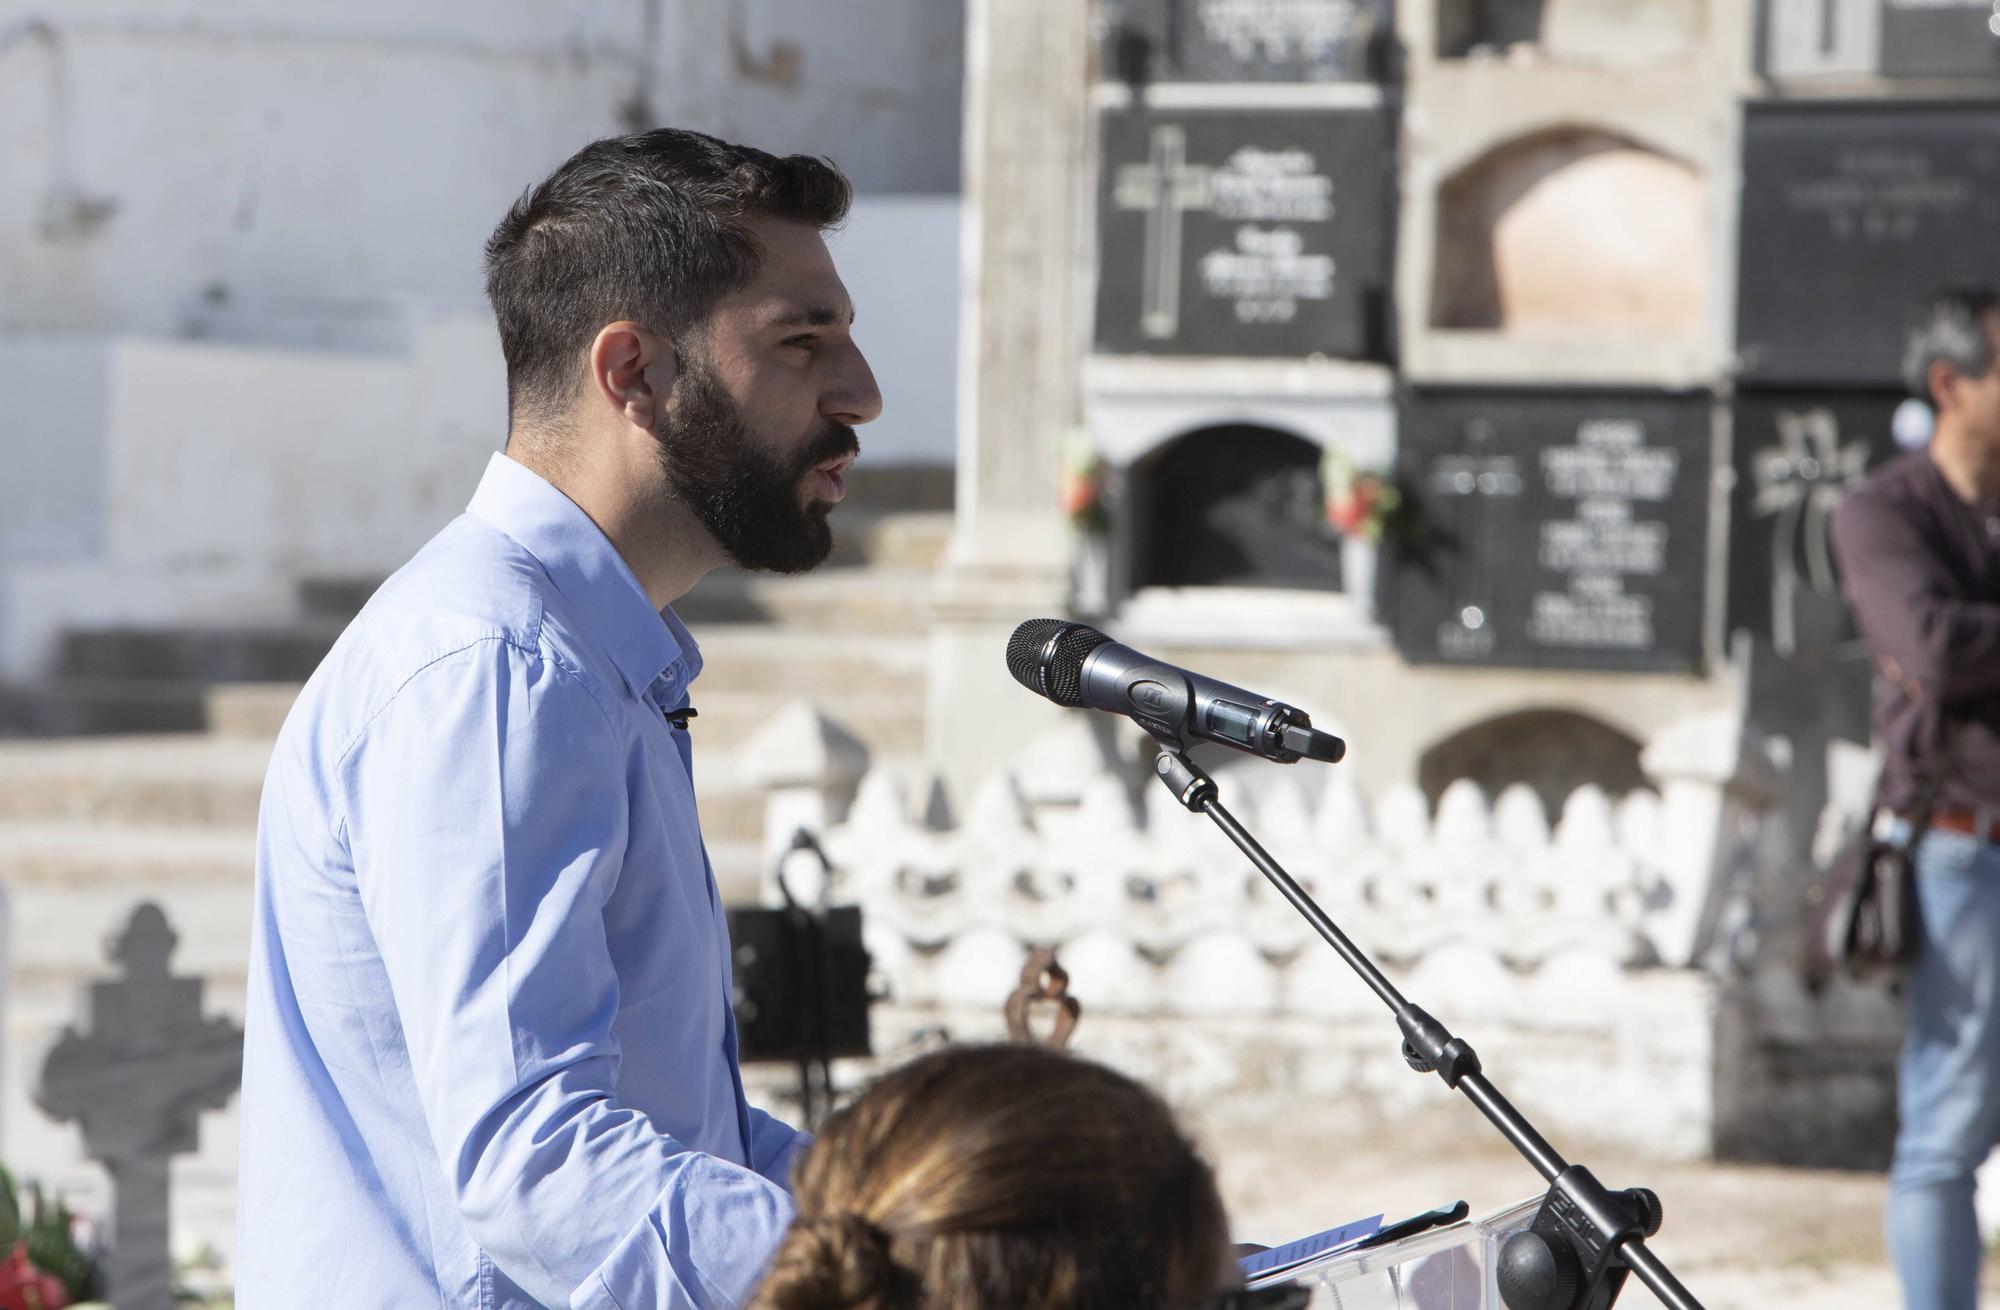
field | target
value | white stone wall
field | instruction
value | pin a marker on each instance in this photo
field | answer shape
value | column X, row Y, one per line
column 243, row 339
column 305, row 172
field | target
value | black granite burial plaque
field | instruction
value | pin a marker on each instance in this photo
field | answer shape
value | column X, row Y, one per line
column 1796, row 454
column 1245, row 232
column 1851, row 213
column 1553, row 530
column 1245, row 40
column 1940, row 38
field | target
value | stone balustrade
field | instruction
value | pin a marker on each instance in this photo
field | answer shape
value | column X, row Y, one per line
column 1617, row 963
column 1160, row 914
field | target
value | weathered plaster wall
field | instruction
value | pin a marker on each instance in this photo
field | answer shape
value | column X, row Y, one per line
column 243, row 338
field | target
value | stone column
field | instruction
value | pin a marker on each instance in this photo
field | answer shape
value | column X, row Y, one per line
column 1026, row 271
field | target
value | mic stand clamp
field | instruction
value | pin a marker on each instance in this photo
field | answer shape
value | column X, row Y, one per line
column 1585, row 1238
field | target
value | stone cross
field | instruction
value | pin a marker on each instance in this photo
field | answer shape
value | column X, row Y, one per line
column 136, row 1084
column 1165, row 187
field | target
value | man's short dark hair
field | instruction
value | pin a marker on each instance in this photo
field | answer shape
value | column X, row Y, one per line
column 1950, row 328
column 651, row 227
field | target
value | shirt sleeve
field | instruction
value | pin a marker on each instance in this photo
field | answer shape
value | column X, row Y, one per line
column 774, row 1146
column 1909, row 607
column 487, row 815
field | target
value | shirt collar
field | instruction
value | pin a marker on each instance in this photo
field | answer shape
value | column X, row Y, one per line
column 648, row 646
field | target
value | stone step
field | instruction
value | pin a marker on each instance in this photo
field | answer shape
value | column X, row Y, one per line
column 915, row 541
column 286, row 652
column 175, row 663
column 899, row 488
column 180, row 780
column 868, row 542
column 74, row 855
column 886, row 725
column 69, row 888
column 893, row 602
column 70, row 707
column 823, row 667
column 249, row 711
column 70, row 885
column 336, row 598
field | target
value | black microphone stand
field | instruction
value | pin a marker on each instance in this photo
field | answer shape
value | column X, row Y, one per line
column 1585, row 1237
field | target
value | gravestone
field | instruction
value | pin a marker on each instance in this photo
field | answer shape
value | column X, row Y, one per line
column 1245, row 231
column 1809, row 677
column 1796, row 454
column 1940, row 38
column 1553, row 529
column 1233, row 506
column 1851, row 214
column 1804, row 39
column 1245, row 40
column 136, row 1082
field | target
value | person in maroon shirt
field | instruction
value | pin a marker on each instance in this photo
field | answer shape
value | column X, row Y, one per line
column 1918, row 545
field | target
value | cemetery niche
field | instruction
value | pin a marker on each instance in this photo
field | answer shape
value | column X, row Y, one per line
column 1570, row 233
column 1553, row 752
column 1553, row 530
column 1230, row 506
column 1245, row 232
column 1615, row 32
column 1851, row 213
column 1246, row 40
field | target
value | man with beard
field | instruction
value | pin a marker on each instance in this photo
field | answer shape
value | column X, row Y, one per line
column 489, row 1058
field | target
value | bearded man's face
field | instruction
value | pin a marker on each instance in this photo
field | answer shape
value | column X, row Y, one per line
column 759, row 495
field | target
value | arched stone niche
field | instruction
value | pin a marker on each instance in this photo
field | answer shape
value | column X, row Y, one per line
column 1234, row 504
column 1554, row 751
column 1573, row 233
column 1608, row 33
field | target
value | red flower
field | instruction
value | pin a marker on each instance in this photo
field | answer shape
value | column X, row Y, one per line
column 24, row 1287
column 1352, row 511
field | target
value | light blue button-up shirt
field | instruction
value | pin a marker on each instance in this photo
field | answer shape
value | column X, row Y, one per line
column 489, row 1058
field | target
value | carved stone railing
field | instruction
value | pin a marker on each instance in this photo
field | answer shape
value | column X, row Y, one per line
column 1154, row 913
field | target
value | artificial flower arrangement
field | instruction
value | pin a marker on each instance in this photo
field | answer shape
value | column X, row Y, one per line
column 1359, row 502
column 44, row 1268
column 1083, row 485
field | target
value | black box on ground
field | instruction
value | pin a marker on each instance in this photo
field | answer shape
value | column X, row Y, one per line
column 799, row 980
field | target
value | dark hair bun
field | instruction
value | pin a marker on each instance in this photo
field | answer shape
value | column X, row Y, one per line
column 837, row 1262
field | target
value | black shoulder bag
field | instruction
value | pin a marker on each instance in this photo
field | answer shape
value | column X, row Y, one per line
column 1861, row 914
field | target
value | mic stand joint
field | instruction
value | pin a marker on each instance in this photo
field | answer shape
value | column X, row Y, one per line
column 1585, row 1238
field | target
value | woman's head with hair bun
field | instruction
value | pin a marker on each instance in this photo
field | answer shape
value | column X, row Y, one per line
column 835, row 1262
column 997, row 1177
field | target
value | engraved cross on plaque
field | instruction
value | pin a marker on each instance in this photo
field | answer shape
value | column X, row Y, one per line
column 1164, row 187
column 137, row 1084
column 1481, row 477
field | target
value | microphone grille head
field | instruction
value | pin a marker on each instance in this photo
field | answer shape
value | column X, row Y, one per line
column 1060, row 677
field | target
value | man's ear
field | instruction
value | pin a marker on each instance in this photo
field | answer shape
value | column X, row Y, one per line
column 1941, row 379
column 632, row 370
